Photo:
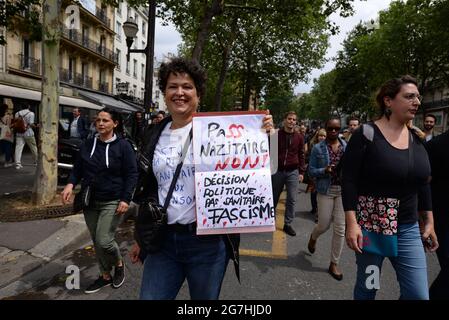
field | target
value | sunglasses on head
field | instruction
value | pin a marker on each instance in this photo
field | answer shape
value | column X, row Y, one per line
column 333, row 129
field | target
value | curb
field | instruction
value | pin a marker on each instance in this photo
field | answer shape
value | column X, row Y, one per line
column 70, row 237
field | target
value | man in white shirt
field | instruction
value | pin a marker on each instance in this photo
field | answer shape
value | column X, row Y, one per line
column 78, row 125
column 26, row 137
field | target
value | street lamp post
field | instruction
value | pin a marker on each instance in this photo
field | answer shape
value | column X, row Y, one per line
column 130, row 29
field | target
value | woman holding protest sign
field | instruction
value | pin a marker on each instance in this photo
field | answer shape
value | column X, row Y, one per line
column 182, row 254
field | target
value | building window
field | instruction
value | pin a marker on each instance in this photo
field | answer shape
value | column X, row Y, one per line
column 143, row 47
column 144, row 28
column 157, row 94
column 127, row 66
column 119, row 58
column 143, row 72
column 135, row 69
column 118, row 30
column 142, row 93
column 119, row 9
column 134, row 90
column 129, row 12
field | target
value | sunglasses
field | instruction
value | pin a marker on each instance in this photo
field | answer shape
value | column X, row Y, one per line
column 333, row 129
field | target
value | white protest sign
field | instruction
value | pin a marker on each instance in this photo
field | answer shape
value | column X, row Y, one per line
column 232, row 173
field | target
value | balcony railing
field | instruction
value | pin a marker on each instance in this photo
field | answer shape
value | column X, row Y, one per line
column 94, row 46
column 103, row 87
column 101, row 14
column 75, row 78
column 30, row 64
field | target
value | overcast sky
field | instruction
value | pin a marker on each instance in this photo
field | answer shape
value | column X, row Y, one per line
column 167, row 38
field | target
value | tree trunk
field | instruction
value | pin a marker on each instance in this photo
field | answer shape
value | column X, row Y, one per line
column 224, row 67
column 45, row 183
column 203, row 33
column 248, row 87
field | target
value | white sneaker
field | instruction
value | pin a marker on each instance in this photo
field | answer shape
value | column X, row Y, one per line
column 19, row 166
column 7, row 165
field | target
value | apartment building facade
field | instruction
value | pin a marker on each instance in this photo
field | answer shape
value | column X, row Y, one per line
column 129, row 75
column 86, row 63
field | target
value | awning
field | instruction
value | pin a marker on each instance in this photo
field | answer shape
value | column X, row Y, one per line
column 108, row 101
column 16, row 92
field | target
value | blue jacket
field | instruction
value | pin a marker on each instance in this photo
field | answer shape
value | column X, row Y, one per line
column 109, row 168
column 319, row 160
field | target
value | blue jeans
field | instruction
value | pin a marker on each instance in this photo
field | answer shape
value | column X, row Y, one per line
column 6, row 148
column 410, row 266
column 202, row 260
column 291, row 180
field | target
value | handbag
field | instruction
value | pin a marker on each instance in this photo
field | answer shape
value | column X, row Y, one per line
column 151, row 221
column 82, row 199
column 378, row 218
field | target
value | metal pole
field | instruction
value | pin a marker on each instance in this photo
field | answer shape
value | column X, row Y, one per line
column 149, row 50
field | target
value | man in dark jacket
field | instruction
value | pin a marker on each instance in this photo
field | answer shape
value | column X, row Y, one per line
column 438, row 150
column 290, row 169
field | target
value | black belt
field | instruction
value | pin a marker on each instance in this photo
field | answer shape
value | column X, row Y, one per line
column 177, row 227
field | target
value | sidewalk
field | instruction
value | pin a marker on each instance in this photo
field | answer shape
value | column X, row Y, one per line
column 27, row 246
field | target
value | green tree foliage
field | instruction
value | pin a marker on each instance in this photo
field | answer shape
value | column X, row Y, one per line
column 21, row 17
column 410, row 38
column 256, row 43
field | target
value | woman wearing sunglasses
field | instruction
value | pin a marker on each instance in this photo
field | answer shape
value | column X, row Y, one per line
column 324, row 160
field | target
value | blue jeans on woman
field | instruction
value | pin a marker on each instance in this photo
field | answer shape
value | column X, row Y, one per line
column 410, row 266
column 202, row 260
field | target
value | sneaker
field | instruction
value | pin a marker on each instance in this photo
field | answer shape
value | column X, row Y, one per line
column 19, row 166
column 98, row 284
column 289, row 230
column 119, row 276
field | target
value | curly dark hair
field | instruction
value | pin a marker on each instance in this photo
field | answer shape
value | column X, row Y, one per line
column 390, row 89
column 183, row 65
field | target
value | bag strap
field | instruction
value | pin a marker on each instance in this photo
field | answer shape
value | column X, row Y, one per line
column 411, row 156
column 178, row 170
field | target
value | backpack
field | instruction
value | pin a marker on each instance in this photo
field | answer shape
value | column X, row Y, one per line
column 19, row 125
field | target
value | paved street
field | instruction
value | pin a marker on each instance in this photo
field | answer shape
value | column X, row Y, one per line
column 274, row 266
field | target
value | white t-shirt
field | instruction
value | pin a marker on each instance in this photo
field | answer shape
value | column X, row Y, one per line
column 166, row 157
column 74, row 128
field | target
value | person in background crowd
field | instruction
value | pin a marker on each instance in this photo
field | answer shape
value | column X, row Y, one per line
column 27, row 137
column 438, row 150
column 353, row 124
column 393, row 165
column 138, row 128
column 6, row 135
column 159, row 117
column 291, row 168
column 201, row 259
column 429, row 124
column 92, row 127
column 325, row 158
column 319, row 136
column 106, row 163
column 78, row 127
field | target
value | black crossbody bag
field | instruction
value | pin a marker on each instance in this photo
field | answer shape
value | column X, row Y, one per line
column 151, row 222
